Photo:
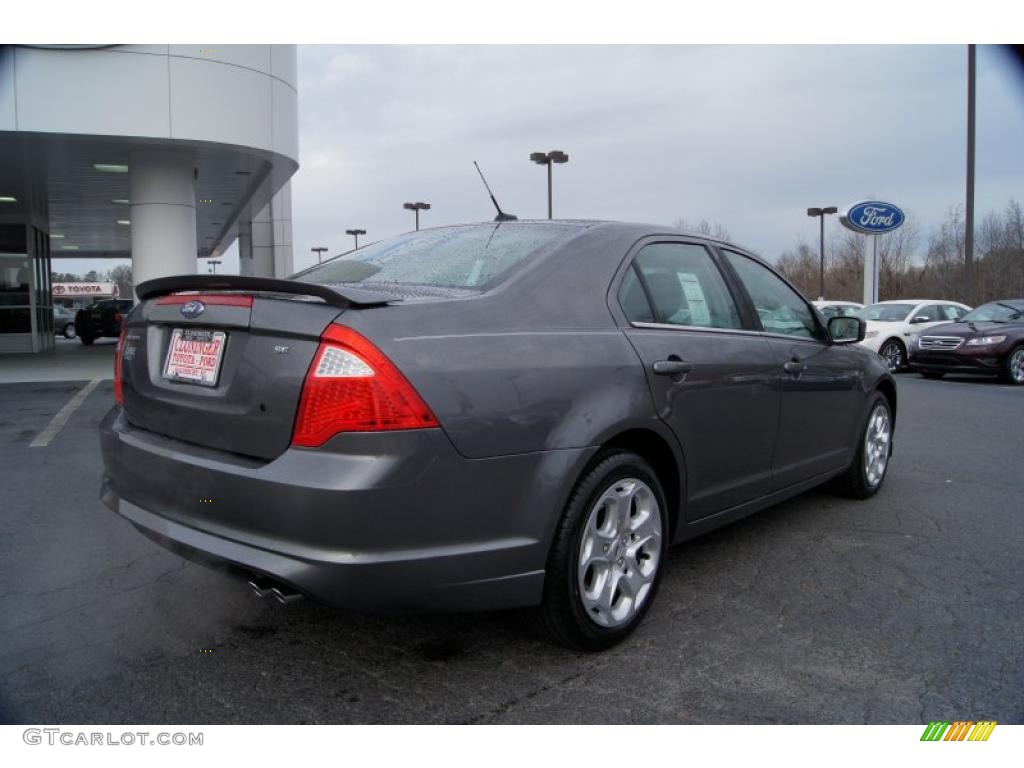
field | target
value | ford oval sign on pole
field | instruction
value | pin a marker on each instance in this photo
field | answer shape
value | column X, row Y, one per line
column 874, row 218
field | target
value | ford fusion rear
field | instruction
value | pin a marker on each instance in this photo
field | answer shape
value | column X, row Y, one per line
column 484, row 416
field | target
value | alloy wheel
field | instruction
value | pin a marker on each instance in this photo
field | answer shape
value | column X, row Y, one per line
column 1017, row 366
column 620, row 552
column 892, row 353
column 877, row 439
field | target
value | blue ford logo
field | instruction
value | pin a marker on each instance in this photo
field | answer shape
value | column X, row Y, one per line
column 192, row 309
column 873, row 217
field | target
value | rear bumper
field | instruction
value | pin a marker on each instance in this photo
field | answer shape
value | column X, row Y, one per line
column 386, row 521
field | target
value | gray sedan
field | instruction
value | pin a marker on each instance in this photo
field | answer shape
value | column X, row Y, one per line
column 492, row 415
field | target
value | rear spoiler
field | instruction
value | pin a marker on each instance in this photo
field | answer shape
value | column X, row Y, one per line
column 343, row 297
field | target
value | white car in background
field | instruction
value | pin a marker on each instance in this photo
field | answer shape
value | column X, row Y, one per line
column 892, row 326
column 835, row 308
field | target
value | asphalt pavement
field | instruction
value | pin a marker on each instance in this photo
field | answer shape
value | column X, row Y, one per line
column 906, row 608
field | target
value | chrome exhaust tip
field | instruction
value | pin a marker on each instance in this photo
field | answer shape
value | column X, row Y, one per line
column 265, row 587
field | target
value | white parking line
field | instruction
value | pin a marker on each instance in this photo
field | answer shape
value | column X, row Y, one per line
column 43, row 438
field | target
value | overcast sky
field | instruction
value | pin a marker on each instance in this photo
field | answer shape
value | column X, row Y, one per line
column 746, row 136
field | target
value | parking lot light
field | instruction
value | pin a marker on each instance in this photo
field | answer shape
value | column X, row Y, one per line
column 355, row 233
column 416, row 208
column 547, row 158
column 821, row 213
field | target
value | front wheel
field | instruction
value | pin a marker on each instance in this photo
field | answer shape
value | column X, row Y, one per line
column 86, row 340
column 894, row 354
column 608, row 554
column 69, row 331
column 1013, row 371
column 865, row 474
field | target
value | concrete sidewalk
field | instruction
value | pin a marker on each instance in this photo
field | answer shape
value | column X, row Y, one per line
column 70, row 361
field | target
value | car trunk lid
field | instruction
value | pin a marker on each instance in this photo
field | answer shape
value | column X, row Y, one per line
column 223, row 365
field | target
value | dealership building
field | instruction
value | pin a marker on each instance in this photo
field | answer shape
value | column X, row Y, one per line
column 165, row 154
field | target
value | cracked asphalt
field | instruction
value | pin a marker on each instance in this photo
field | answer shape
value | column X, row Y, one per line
column 902, row 609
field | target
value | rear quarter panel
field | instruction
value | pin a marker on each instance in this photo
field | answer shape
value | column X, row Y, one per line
column 537, row 364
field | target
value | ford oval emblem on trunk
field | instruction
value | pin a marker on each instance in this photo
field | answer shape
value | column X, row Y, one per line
column 873, row 217
column 192, row 309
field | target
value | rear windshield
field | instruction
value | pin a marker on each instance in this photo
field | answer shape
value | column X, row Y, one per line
column 476, row 256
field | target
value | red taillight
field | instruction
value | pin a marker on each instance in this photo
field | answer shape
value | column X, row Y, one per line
column 352, row 387
column 118, row 387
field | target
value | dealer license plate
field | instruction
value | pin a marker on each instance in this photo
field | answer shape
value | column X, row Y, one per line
column 194, row 356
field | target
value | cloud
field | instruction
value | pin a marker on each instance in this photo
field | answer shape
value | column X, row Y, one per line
column 745, row 135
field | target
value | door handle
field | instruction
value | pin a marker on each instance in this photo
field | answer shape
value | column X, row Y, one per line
column 794, row 366
column 672, row 367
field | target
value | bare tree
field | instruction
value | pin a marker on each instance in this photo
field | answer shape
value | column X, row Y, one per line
column 122, row 275
column 713, row 230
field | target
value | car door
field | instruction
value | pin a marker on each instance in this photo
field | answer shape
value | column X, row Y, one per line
column 820, row 400
column 713, row 380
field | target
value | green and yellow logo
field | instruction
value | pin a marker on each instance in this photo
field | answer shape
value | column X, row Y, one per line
column 961, row 730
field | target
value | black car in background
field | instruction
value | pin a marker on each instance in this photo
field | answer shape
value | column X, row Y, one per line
column 987, row 340
column 101, row 319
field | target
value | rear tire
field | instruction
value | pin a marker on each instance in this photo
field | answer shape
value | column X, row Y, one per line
column 932, row 374
column 69, row 331
column 86, row 340
column 607, row 556
column 870, row 464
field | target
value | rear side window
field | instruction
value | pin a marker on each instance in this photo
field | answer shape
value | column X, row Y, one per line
column 781, row 309
column 474, row 257
column 682, row 285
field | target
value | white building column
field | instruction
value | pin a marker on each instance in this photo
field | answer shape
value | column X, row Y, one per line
column 163, row 214
column 245, row 262
column 281, row 214
column 262, row 243
column 265, row 243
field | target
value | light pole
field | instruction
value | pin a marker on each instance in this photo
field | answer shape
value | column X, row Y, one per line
column 355, row 233
column 821, row 213
column 417, row 207
column 547, row 158
column 968, row 289
column 213, row 265
column 319, row 250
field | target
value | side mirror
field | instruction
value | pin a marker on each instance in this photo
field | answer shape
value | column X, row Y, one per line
column 846, row 330
column 920, row 319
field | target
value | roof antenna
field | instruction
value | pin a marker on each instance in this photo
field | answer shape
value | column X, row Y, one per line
column 502, row 216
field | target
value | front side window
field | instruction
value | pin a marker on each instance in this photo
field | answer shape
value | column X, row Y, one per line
column 677, row 284
column 781, row 309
